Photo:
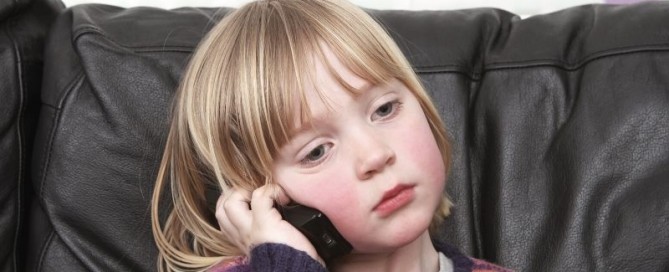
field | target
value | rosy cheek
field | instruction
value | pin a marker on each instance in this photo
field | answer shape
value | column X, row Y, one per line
column 337, row 199
column 429, row 158
column 329, row 196
column 421, row 147
column 345, row 213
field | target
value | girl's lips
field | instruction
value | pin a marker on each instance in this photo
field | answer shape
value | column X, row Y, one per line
column 394, row 199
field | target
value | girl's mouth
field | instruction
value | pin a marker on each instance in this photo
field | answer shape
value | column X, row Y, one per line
column 394, row 199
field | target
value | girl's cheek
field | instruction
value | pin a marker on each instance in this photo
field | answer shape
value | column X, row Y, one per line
column 334, row 197
column 343, row 209
column 419, row 145
column 331, row 196
column 426, row 155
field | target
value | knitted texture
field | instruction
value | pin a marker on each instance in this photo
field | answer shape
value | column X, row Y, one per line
column 483, row 266
column 270, row 257
column 282, row 257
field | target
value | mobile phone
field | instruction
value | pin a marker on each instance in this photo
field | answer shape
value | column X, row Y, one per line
column 318, row 229
column 312, row 223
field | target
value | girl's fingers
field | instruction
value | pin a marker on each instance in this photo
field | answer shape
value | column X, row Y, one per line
column 268, row 224
column 221, row 217
column 234, row 217
column 223, row 220
column 238, row 210
column 261, row 202
column 246, row 226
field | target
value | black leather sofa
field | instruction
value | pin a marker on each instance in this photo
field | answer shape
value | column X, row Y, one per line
column 559, row 122
column 23, row 27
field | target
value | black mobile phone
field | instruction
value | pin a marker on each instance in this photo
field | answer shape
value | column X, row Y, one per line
column 311, row 222
column 318, row 229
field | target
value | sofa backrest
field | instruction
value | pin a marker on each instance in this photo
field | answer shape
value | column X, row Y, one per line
column 559, row 123
column 23, row 29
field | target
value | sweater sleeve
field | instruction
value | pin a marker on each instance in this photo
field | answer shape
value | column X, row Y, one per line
column 484, row 266
column 272, row 257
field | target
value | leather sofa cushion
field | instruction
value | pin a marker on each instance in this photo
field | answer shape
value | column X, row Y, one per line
column 23, row 28
column 559, row 124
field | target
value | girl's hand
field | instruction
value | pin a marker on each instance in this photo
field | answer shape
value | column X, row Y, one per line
column 249, row 225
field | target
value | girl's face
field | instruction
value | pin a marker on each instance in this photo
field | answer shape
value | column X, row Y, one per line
column 368, row 161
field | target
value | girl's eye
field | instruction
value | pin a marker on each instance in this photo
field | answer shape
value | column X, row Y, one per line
column 315, row 155
column 386, row 110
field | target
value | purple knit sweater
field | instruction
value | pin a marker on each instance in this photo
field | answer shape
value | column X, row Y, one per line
column 272, row 257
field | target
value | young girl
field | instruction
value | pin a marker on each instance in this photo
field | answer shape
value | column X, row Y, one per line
column 307, row 102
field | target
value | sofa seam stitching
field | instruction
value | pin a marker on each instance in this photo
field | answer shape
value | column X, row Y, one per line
column 17, row 231
column 563, row 65
column 92, row 30
column 47, row 151
column 55, row 120
column 442, row 68
column 45, row 245
column 573, row 66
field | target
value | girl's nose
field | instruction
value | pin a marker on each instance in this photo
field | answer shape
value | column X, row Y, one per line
column 374, row 156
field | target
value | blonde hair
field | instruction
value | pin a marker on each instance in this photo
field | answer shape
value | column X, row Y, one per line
column 237, row 102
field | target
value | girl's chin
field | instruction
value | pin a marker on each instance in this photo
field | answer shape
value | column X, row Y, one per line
column 388, row 242
column 389, row 234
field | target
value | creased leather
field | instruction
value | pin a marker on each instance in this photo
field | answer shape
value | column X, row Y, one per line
column 559, row 123
column 23, row 29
